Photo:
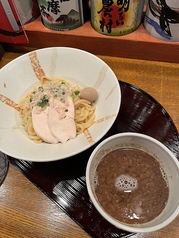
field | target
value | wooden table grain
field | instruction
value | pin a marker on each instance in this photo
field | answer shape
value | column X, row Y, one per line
column 26, row 212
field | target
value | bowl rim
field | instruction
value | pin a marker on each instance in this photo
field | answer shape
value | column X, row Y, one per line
column 113, row 221
column 88, row 145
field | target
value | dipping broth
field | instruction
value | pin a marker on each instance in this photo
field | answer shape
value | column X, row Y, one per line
column 131, row 186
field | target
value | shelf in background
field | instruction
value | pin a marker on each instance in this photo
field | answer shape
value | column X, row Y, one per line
column 137, row 45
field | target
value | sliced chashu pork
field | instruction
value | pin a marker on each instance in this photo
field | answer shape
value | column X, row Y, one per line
column 40, row 124
column 61, row 120
column 55, row 123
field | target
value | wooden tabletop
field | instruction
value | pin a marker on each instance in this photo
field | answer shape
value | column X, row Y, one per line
column 26, row 212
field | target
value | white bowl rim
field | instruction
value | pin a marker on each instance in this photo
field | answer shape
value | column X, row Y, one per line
column 101, row 211
column 108, row 126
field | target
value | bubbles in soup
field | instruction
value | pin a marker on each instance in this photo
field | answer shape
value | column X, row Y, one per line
column 131, row 186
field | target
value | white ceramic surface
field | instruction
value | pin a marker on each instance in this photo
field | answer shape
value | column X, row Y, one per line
column 80, row 67
column 168, row 162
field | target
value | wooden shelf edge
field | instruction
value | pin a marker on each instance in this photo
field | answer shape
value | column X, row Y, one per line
column 137, row 45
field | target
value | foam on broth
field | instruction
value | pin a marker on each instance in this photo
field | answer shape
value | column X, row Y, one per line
column 131, row 186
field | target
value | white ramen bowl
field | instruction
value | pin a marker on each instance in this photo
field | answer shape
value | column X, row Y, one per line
column 165, row 157
column 20, row 76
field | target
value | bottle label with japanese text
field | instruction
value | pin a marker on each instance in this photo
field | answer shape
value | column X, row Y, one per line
column 116, row 17
column 61, row 15
column 162, row 19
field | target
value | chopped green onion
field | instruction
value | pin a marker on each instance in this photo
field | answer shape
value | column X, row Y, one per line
column 40, row 89
column 55, row 95
column 30, row 100
column 76, row 92
column 44, row 101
